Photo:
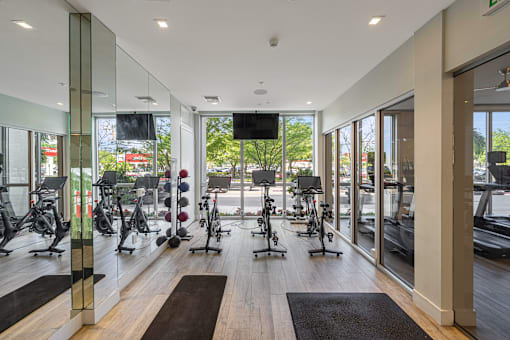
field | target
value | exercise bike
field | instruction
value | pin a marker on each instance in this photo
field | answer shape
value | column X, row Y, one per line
column 207, row 222
column 312, row 226
column 47, row 201
column 266, row 179
column 103, row 212
column 216, row 185
column 138, row 220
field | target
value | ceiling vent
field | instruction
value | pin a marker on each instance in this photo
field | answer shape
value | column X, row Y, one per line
column 212, row 99
column 146, row 99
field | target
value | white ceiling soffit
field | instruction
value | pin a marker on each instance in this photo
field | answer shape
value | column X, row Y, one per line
column 221, row 47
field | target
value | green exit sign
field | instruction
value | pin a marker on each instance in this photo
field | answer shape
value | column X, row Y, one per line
column 489, row 7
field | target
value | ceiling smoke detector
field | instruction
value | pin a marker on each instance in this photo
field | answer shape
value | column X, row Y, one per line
column 214, row 100
column 273, row 42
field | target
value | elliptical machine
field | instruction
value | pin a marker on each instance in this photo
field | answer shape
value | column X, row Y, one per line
column 266, row 179
column 311, row 186
column 103, row 212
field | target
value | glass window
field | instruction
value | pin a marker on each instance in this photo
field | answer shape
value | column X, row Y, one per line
column 366, row 183
column 398, row 195
column 223, row 158
column 48, row 156
column 263, row 155
column 298, row 151
column 500, row 142
column 344, row 180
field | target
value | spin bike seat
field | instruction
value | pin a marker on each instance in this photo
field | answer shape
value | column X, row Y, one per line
column 50, row 199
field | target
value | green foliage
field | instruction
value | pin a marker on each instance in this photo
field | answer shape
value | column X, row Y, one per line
column 479, row 147
column 501, row 142
column 222, row 149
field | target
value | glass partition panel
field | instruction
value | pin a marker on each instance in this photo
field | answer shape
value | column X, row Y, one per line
column 499, row 206
column 480, row 173
column 365, row 167
column 344, row 180
column 398, row 195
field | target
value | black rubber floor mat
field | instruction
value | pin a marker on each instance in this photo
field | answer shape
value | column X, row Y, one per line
column 24, row 300
column 350, row 316
column 191, row 311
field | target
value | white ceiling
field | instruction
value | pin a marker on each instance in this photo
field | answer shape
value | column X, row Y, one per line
column 220, row 47
column 216, row 47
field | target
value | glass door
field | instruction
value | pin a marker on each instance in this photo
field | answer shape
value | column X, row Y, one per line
column 398, row 193
column 365, row 183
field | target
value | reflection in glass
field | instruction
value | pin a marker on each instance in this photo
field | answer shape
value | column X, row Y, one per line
column 398, row 195
column 500, row 142
column 344, row 180
column 366, row 140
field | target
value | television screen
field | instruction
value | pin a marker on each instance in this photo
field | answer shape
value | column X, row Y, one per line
column 135, row 127
column 255, row 125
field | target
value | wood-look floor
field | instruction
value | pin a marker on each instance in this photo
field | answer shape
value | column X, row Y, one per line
column 254, row 305
column 20, row 268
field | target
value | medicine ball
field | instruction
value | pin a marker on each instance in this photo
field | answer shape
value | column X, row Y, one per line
column 167, row 174
column 168, row 202
column 183, row 216
column 182, row 231
column 160, row 240
column 184, row 187
column 167, row 187
column 184, row 202
column 174, row 241
column 168, row 217
column 183, row 173
column 169, row 232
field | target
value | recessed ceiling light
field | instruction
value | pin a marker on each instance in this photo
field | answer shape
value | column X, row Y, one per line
column 23, row 24
column 60, row 104
column 309, row 103
column 162, row 23
column 155, row 104
column 375, row 20
column 261, row 82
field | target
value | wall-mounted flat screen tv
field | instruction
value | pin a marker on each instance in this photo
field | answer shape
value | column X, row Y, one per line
column 255, row 125
column 138, row 126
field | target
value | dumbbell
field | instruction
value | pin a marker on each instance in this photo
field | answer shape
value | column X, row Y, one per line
column 184, row 187
column 183, row 216
column 183, row 173
column 183, row 202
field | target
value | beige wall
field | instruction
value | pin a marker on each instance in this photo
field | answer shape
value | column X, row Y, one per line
column 433, row 175
column 469, row 35
column 393, row 77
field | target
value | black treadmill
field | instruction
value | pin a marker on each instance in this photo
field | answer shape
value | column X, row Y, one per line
column 491, row 234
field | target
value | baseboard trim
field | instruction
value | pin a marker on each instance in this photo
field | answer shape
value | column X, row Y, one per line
column 444, row 317
column 68, row 329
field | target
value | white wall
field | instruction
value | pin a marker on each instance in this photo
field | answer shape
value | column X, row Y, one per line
column 393, row 77
column 22, row 114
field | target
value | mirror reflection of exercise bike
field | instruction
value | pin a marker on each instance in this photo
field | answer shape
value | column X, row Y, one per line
column 103, row 212
column 311, row 186
column 46, row 202
column 491, row 233
column 138, row 221
column 266, row 179
column 298, row 212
